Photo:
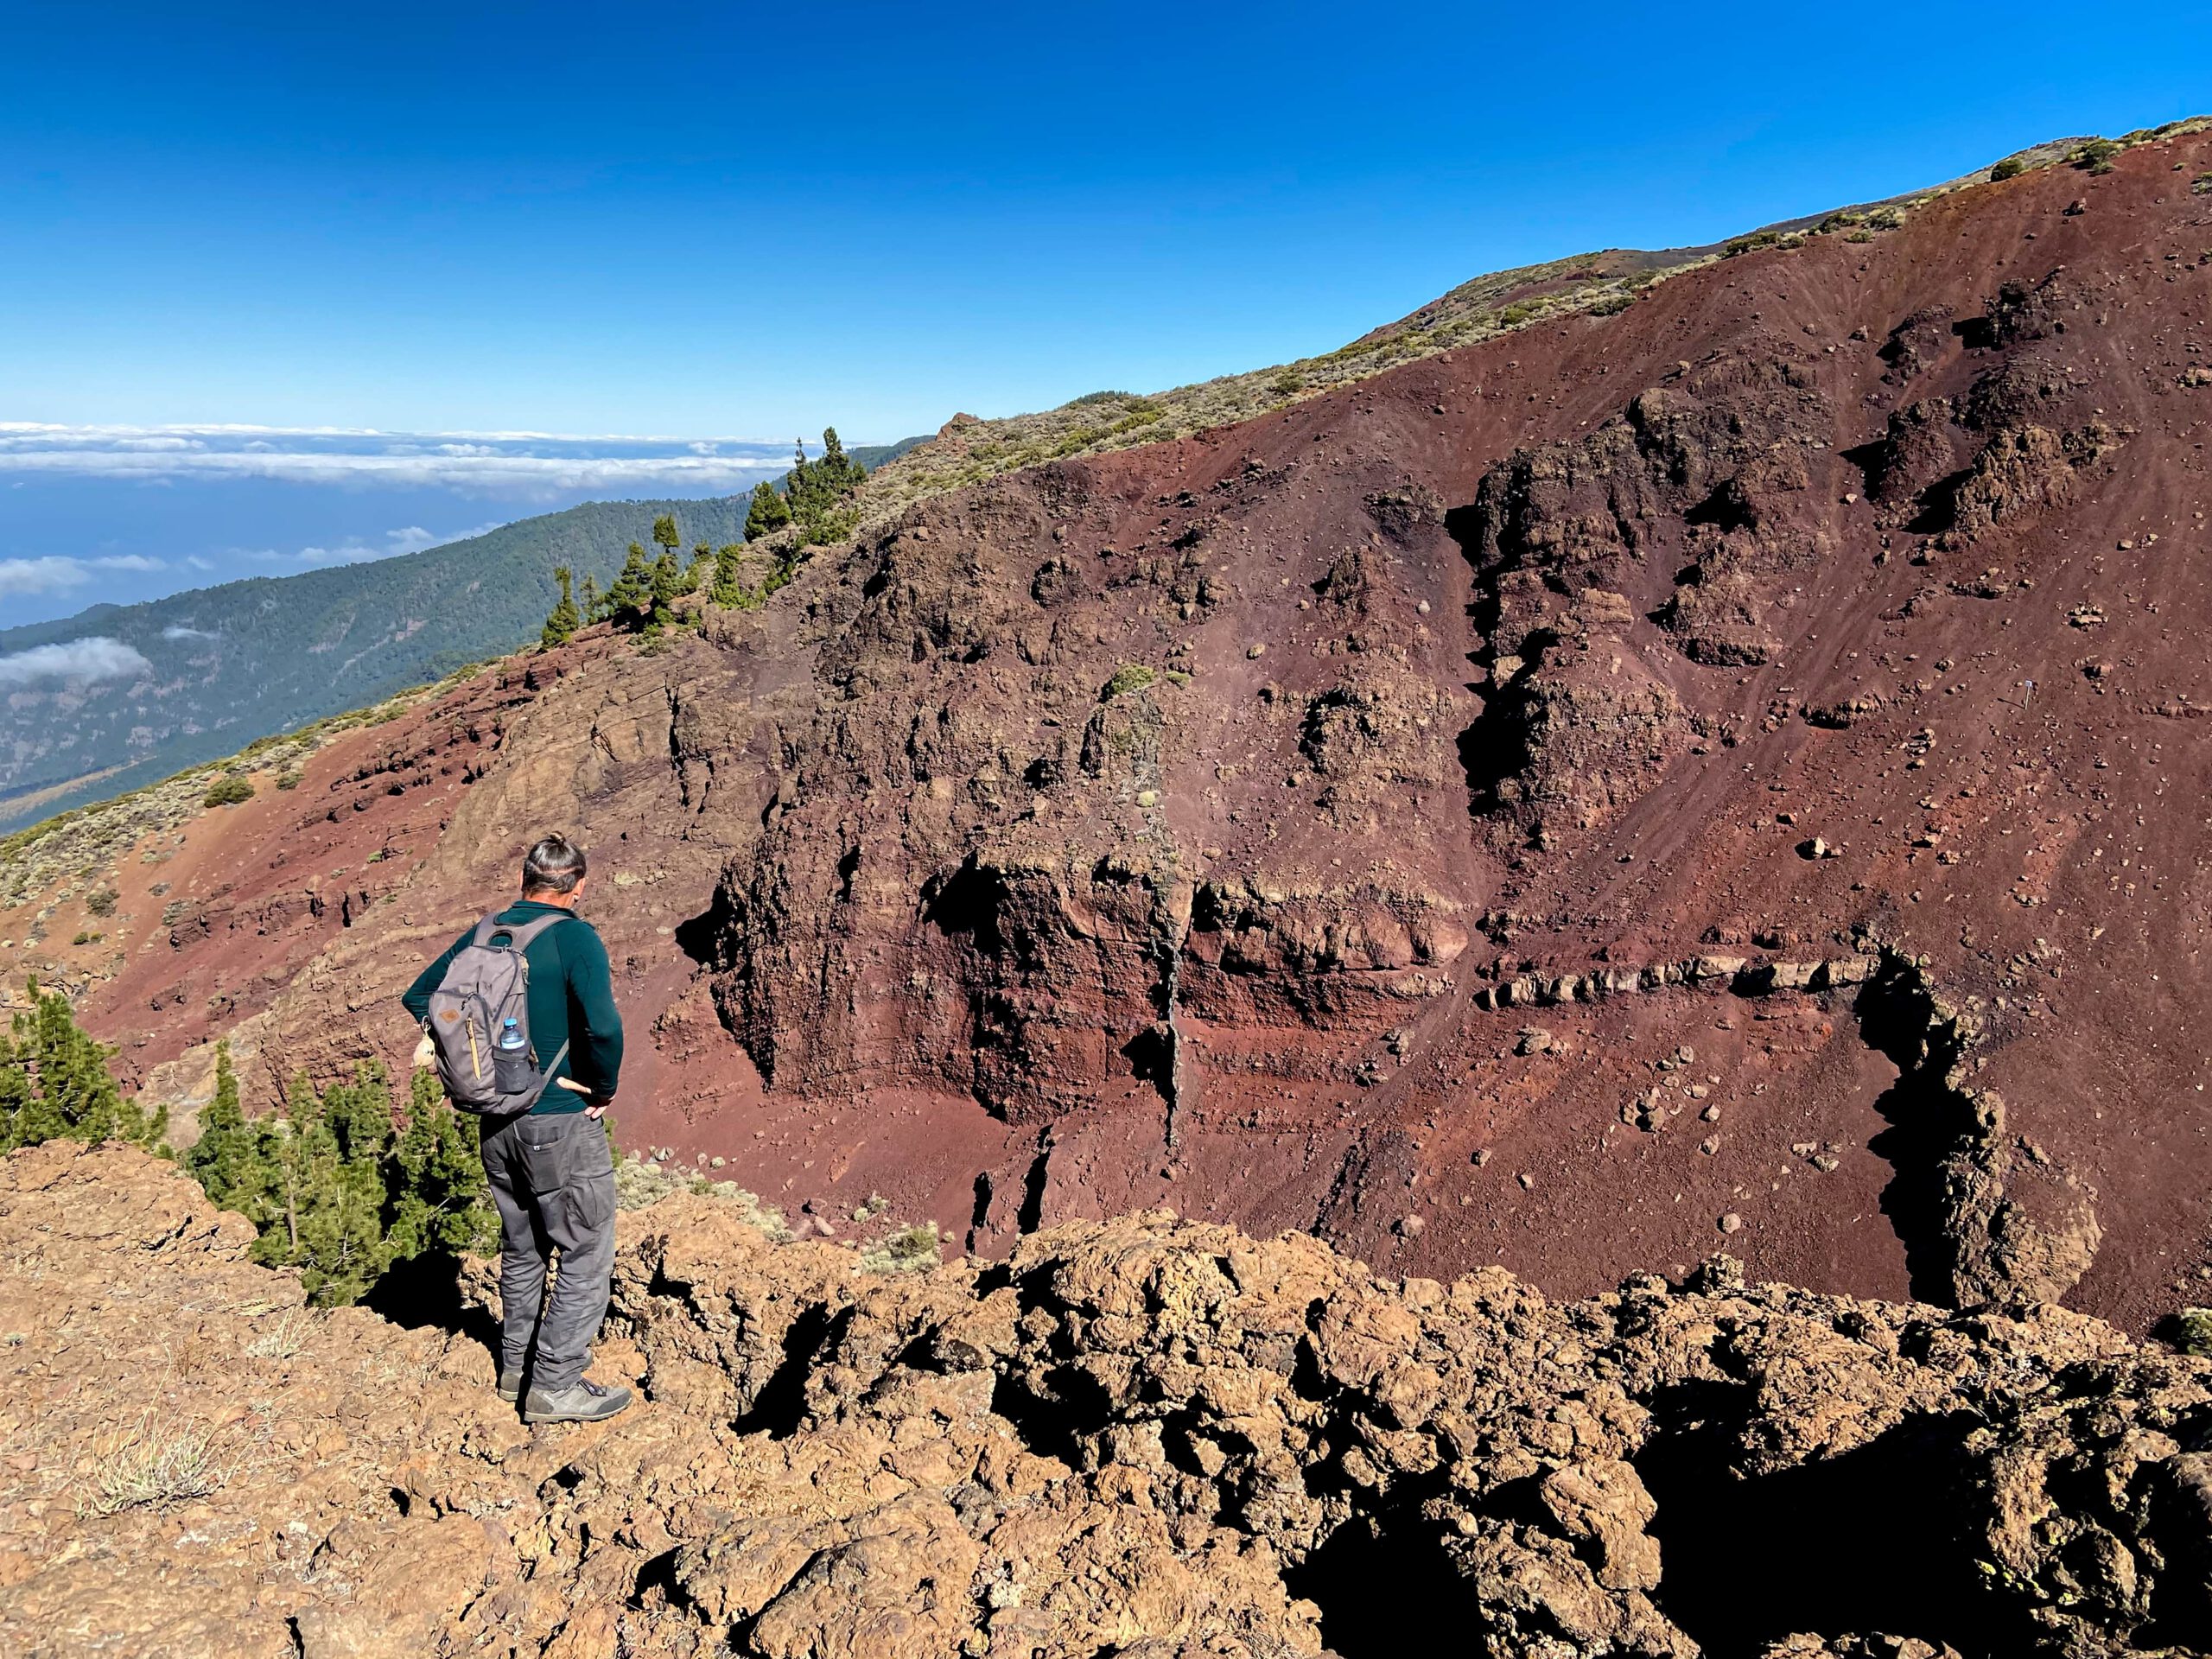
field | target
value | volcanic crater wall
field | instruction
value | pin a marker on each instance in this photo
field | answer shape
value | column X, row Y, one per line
column 1267, row 751
column 1174, row 826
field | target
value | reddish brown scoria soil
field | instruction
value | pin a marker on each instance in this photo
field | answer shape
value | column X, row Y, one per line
column 1733, row 768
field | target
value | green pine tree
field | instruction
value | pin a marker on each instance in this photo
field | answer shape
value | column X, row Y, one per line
column 21, row 1108
column 665, row 534
column 436, row 1197
column 729, row 587
column 345, row 1248
column 820, row 491
column 591, row 601
column 630, row 599
column 56, row 1081
column 283, row 1152
column 769, row 513
column 325, row 1200
column 667, row 586
column 702, row 566
column 223, row 1157
column 562, row 625
column 358, row 1114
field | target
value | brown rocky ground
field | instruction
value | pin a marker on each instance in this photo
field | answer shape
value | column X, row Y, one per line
column 1735, row 764
column 1145, row 1437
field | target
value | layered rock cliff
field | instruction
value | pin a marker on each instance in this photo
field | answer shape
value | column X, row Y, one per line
column 1721, row 771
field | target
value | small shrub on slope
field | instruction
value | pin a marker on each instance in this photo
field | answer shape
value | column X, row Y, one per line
column 54, row 1083
column 561, row 625
column 910, row 1250
column 1129, row 677
column 336, row 1188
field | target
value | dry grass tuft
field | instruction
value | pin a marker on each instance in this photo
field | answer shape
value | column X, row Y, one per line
column 282, row 1337
column 639, row 1184
column 153, row 1464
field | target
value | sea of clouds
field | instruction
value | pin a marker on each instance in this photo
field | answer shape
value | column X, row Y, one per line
column 509, row 465
column 123, row 513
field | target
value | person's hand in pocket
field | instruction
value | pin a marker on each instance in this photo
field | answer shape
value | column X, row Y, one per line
column 596, row 1108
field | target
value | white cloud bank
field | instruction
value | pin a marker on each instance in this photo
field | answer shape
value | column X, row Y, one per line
column 516, row 464
column 54, row 573
column 84, row 660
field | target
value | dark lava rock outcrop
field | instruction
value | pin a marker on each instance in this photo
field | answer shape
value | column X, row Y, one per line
column 1148, row 1437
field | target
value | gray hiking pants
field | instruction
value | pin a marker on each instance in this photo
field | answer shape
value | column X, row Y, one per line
column 553, row 1179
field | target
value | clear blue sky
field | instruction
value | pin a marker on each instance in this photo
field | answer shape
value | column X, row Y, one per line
column 748, row 222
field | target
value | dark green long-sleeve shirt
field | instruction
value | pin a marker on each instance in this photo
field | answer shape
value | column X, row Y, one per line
column 571, row 1002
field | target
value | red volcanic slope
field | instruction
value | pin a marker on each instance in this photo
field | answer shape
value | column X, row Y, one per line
column 1727, row 770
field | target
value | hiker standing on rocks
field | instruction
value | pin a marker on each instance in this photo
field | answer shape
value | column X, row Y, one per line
column 528, row 981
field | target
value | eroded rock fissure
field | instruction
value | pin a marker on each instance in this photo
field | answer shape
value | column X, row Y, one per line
column 1983, row 1215
column 1030, row 1215
column 1175, row 1080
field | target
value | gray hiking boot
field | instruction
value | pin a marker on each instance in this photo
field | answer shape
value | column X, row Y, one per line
column 586, row 1402
column 510, row 1386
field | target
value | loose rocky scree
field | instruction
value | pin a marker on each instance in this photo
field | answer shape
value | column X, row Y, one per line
column 1146, row 1437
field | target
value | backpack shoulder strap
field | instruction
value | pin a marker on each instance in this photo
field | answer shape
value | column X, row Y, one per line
column 529, row 931
column 481, row 938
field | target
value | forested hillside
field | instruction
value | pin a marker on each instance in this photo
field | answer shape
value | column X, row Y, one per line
column 227, row 664
column 136, row 692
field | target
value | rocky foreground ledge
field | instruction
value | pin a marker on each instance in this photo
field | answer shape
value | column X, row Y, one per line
column 1145, row 1438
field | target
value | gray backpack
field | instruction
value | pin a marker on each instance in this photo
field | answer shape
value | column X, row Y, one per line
column 485, row 991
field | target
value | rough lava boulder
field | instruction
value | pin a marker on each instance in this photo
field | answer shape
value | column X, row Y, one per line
column 1148, row 1436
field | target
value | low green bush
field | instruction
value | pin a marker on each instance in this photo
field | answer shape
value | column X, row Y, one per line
column 1082, row 438
column 1747, row 243
column 2190, row 1331
column 1129, row 677
column 2095, row 157
column 909, row 1249
column 228, row 791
